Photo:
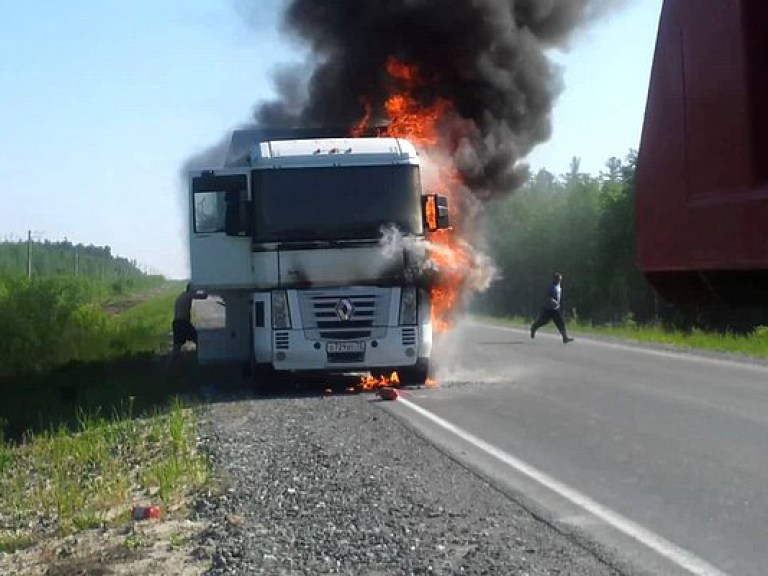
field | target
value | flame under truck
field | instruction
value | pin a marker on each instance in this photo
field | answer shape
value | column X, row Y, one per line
column 288, row 234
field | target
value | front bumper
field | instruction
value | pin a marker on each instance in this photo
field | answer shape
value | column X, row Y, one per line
column 400, row 346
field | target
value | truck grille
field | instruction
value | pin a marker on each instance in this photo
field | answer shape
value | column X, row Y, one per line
column 350, row 313
column 409, row 337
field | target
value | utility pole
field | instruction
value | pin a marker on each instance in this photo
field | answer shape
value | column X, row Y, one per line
column 29, row 253
column 77, row 261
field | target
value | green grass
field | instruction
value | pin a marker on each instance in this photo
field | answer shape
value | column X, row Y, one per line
column 754, row 344
column 142, row 328
column 172, row 471
column 81, row 441
column 136, row 541
column 12, row 542
column 116, row 359
column 74, row 481
column 178, row 539
column 46, row 323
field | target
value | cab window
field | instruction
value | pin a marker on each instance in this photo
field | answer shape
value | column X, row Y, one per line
column 210, row 211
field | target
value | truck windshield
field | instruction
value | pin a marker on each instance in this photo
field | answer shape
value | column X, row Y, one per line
column 333, row 203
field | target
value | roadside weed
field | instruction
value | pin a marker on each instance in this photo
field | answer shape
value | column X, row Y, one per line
column 178, row 539
column 135, row 541
column 10, row 542
column 69, row 481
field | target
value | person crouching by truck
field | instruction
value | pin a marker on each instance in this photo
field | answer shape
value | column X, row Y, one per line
column 551, row 310
column 183, row 330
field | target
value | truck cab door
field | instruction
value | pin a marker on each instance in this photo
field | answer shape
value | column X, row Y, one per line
column 220, row 242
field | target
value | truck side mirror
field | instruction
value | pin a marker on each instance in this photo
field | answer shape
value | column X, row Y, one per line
column 435, row 212
column 236, row 214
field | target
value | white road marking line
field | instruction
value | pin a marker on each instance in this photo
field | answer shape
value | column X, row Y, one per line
column 679, row 556
column 691, row 357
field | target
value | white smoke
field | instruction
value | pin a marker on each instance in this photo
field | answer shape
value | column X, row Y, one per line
column 474, row 266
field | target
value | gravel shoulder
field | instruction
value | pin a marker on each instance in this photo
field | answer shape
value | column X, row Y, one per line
column 332, row 484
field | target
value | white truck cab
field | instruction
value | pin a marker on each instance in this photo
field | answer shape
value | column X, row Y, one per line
column 288, row 234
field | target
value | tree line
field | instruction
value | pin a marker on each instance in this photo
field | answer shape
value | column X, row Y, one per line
column 577, row 224
column 46, row 259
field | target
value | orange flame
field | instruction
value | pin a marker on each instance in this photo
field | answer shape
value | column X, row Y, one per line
column 369, row 383
column 403, row 71
column 431, row 213
column 421, row 125
column 362, row 125
column 408, row 120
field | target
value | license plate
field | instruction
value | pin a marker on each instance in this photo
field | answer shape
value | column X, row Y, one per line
column 336, row 347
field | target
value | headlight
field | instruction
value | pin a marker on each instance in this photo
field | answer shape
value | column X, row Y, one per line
column 281, row 314
column 409, row 306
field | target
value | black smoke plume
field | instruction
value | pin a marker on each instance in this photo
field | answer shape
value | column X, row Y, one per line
column 487, row 57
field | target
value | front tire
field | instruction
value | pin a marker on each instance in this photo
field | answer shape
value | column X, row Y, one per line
column 265, row 380
column 414, row 375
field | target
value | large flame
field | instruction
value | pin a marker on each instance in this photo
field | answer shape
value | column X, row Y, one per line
column 421, row 125
column 452, row 257
column 370, row 382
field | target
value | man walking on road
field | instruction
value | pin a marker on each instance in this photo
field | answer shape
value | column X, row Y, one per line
column 551, row 309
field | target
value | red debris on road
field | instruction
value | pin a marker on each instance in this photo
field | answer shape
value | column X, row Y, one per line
column 146, row 513
column 388, row 393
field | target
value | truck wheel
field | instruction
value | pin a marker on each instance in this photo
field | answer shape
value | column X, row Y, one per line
column 266, row 380
column 414, row 375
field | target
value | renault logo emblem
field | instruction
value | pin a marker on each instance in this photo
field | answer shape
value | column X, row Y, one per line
column 344, row 310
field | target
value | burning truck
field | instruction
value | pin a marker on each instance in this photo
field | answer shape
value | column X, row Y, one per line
column 289, row 234
column 294, row 231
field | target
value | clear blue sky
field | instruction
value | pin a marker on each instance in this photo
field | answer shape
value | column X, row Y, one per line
column 103, row 101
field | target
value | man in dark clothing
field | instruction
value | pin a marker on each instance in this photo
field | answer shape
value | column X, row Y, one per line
column 183, row 331
column 551, row 310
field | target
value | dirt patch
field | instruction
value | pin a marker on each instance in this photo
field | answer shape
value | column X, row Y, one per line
column 152, row 547
column 120, row 305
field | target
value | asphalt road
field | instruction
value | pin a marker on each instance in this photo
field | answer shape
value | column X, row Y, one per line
column 659, row 457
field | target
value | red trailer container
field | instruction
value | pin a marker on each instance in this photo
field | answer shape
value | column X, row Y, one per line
column 701, row 211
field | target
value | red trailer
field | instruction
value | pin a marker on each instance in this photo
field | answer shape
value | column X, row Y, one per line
column 701, row 211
